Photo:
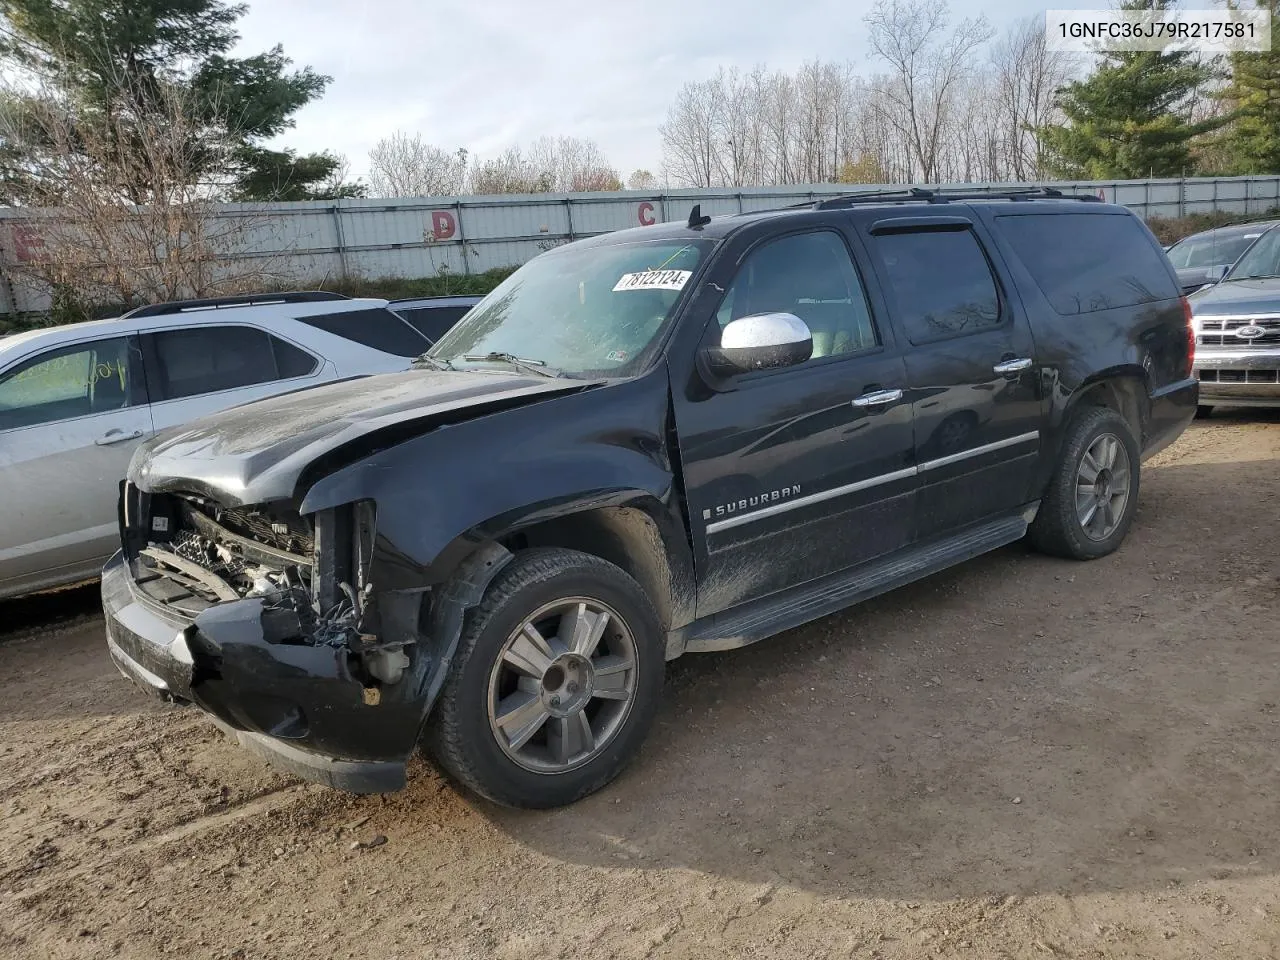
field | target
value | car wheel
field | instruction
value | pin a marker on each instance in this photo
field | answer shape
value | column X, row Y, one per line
column 1203, row 410
column 555, row 683
column 1090, row 502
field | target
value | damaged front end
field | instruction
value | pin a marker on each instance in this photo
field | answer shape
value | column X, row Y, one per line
column 271, row 622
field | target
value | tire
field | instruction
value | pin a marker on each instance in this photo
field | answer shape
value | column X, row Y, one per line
column 1059, row 528
column 1203, row 410
column 552, row 767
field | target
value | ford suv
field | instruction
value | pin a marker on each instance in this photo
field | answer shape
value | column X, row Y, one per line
column 684, row 437
column 1237, row 325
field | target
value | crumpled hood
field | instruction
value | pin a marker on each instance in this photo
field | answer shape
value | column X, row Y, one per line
column 1237, row 297
column 256, row 452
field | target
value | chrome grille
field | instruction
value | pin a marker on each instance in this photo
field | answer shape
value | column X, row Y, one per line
column 1222, row 375
column 1221, row 331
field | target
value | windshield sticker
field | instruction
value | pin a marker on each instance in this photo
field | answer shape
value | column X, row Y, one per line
column 654, row 280
column 617, row 356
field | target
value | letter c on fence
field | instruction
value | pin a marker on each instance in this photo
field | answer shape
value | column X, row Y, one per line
column 646, row 214
column 443, row 226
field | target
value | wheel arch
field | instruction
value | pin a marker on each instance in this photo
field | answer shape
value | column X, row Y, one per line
column 636, row 534
column 1124, row 389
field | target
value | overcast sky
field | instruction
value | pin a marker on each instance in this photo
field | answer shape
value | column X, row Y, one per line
column 486, row 74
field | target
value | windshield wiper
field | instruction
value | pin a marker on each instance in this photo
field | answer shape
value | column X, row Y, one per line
column 431, row 361
column 520, row 363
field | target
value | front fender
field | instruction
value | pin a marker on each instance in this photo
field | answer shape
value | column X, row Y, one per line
column 440, row 494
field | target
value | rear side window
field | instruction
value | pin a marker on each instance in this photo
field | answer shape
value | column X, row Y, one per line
column 433, row 322
column 214, row 358
column 1089, row 262
column 941, row 283
column 377, row 328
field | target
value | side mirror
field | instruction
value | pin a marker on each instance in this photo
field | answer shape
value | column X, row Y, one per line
column 763, row 341
column 1214, row 274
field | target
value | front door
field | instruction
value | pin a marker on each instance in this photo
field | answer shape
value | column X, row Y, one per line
column 798, row 472
column 70, row 419
column 971, row 371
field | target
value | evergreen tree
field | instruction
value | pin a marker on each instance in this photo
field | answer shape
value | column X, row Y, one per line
column 1251, row 143
column 115, row 64
column 1129, row 118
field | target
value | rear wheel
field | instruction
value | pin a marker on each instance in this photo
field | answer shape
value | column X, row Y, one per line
column 555, row 682
column 1091, row 499
column 1203, row 410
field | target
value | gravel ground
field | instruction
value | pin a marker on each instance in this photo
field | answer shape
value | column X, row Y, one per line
column 1022, row 757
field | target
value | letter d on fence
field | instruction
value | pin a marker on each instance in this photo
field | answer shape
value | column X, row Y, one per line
column 443, row 226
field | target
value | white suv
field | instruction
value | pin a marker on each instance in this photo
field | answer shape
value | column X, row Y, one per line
column 76, row 400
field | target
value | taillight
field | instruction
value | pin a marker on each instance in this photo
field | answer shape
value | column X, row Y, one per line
column 1191, row 337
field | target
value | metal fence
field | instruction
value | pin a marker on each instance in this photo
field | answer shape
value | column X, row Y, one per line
column 321, row 240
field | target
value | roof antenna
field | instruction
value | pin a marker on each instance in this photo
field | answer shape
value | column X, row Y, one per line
column 696, row 220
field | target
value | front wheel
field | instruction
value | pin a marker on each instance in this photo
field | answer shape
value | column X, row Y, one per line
column 1093, row 494
column 555, row 682
column 1204, row 410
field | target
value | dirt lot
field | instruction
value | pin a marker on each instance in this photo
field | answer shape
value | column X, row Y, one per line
column 1020, row 758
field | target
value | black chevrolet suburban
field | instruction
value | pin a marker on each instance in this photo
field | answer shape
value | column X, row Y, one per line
column 684, row 437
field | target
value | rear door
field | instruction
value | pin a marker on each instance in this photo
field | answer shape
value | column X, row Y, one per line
column 971, row 368
column 198, row 370
column 803, row 471
column 70, row 418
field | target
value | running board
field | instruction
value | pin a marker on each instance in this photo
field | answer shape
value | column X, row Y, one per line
column 765, row 617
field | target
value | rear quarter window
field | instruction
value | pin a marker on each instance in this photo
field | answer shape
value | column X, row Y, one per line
column 1084, row 263
column 433, row 322
column 376, row 328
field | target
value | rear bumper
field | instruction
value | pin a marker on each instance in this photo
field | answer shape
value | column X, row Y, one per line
column 294, row 704
column 1248, row 377
column 1173, row 407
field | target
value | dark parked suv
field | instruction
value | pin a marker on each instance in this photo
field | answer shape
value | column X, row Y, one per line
column 685, row 437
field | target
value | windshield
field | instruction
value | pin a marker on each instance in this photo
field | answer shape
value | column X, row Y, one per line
column 1260, row 260
column 581, row 311
column 1210, row 251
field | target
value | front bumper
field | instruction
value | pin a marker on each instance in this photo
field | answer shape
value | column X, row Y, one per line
column 1249, row 377
column 295, row 704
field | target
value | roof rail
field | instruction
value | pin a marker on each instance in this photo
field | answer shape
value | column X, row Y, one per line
column 218, row 303
column 438, row 296
column 921, row 195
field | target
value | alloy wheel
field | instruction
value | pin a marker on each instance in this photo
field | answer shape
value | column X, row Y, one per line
column 562, row 685
column 1102, row 486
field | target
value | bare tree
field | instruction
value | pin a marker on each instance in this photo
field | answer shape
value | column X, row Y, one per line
column 642, row 180
column 407, row 166
column 763, row 128
column 690, row 145
column 1026, row 76
column 926, row 66
column 115, row 226
column 563, row 164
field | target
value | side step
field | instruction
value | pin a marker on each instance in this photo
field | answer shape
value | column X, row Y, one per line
column 792, row 608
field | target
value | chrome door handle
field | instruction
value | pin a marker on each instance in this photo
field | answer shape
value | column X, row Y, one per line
column 877, row 398
column 116, row 436
column 1012, row 366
